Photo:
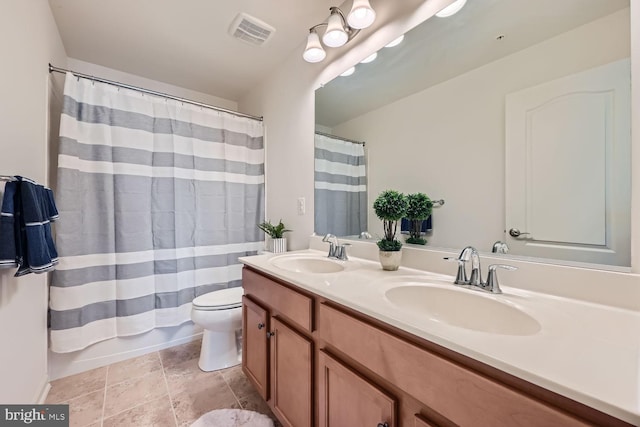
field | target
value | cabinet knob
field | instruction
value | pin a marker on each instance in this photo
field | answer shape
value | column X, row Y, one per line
column 270, row 334
column 260, row 325
column 383, row 425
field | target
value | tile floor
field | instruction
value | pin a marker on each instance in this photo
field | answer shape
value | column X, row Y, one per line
column 164, row 388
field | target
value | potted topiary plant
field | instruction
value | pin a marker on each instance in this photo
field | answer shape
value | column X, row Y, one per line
column 277, row 242
column 390, row 206
column 419, row 208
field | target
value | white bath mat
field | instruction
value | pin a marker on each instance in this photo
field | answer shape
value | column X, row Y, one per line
column 233, row 418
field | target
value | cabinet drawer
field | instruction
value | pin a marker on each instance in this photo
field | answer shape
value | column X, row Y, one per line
column 285, row 301
column 459, row 394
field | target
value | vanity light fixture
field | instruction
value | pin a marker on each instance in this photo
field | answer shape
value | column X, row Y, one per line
column 370, row 58
column 396, row 42
column 452, row 9
column 339, row 31
column 314, row 51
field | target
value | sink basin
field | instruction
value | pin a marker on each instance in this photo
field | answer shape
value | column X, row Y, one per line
column 307, row 264
column 464, row 309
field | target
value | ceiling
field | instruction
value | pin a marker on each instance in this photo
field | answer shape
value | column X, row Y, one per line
column 442, row 48
column 185, row 42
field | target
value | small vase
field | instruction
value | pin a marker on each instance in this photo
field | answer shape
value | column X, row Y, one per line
column 278, row 245
column 390, row 260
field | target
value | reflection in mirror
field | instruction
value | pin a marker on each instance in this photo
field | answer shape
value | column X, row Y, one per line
column 340, row 186
column 515, row 112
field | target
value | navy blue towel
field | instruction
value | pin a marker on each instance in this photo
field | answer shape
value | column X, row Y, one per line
column 27, row 211
column 405, row 225
column 8, row 230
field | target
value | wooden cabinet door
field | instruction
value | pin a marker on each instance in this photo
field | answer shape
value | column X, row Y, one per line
column 291, row 375
column 347, row 399
column 255, row 345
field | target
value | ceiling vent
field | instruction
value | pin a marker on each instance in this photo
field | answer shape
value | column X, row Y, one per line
column 251, row 30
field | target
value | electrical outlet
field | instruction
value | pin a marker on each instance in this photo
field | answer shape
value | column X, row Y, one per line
column 302, row 209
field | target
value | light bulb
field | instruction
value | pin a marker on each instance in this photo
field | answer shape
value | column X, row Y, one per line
column 348, row 72
column 396, row 42
column 314, row 51
column 362, row 14
column 335, row 36
column 369, row 58
column 452, row 9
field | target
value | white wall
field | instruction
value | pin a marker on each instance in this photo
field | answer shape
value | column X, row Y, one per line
column 413, row 143
column 134, row 80
column 114, row 350
column 29, row 40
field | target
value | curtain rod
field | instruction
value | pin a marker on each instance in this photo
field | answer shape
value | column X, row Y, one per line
column 340, row 138
column 53, row 69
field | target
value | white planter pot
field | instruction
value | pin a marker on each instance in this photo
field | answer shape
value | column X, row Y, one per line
column 390, row 260
column 277, row 245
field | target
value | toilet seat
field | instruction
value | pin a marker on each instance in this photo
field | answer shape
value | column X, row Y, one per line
column 223, row 299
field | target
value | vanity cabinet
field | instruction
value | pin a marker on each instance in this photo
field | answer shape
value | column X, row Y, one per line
column 277, row 354
column 318, row 363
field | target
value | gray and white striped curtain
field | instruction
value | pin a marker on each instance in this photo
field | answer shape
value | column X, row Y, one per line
column 340, row 187
column 157, row 201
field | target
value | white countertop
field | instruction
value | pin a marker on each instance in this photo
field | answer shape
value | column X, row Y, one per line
column 585, row 351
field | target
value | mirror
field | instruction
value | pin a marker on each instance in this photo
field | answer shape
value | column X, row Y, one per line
column 515, row 113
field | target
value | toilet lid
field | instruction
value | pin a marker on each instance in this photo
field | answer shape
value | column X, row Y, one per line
column 222, row 299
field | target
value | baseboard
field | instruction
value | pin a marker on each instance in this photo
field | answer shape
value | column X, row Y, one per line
column 65, row 364
column 43, row 392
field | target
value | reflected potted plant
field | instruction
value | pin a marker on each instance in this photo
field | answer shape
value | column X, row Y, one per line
column 390, row 207
column 419, row 208
column 277, row 243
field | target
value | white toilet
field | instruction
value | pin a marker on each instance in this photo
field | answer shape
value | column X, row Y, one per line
column 220, row 314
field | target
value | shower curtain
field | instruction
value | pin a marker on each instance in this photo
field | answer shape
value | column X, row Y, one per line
column 157, row 201
column 340, row 187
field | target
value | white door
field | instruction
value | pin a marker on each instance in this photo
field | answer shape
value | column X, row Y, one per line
column 568, row 180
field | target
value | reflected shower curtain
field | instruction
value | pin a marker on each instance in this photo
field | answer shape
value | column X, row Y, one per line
column 340, row 187
column 157, row 200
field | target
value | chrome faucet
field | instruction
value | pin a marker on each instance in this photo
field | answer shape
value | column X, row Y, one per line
column 465, row 255
column 336, row 250
column 341, row 252
column 333, row 244
column 492, row 284
column 500, row 248
column 475, row 280
column 476, row 274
